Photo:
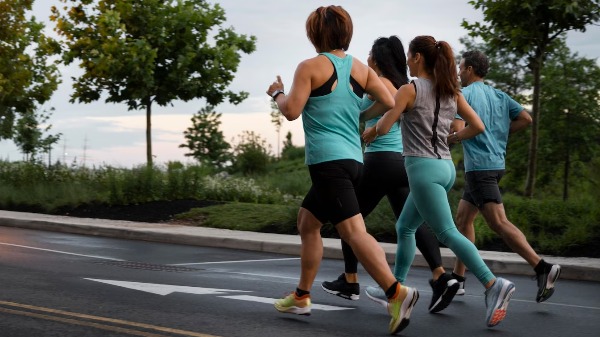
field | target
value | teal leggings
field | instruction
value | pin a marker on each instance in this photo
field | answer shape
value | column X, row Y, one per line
column 430, row 180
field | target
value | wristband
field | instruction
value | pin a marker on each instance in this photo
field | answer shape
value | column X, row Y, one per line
column 276, row 93
column 456, row 137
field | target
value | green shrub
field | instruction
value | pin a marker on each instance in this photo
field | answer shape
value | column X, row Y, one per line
column 248, row 217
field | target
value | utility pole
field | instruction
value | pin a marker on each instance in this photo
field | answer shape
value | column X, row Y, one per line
column 84, row 150
column 65, row 151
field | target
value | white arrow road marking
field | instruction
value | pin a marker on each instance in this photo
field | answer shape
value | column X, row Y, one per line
column 166, row 289
column 271, row 300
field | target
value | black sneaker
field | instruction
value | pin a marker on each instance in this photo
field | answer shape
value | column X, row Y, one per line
column 341, row 288
column 461, row 288
column 444, row 289
column 546, row 282
column 461, row 284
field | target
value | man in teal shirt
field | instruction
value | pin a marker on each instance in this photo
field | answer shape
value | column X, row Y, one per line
column 484, row 167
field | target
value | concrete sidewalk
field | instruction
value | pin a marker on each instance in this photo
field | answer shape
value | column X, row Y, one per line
column 586, row 269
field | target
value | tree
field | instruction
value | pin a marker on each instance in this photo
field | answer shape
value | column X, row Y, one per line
column 251, row 154
column 204, row 139
column 28, row 78
column 572, row 106
column 151, row 51
column 277, row 120
column 289, row 151
column 29, row 134
column 529, row 29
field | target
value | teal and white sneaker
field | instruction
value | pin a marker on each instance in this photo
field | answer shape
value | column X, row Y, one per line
column 378, row 295
column 496, row 301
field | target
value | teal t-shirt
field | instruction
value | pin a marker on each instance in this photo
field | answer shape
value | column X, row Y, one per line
column 331, row 130
column 391, row 141
column 487, row 151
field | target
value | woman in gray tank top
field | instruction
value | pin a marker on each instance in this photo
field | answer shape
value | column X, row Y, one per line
column 427, row 106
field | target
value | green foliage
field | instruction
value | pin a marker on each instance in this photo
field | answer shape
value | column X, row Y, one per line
column 251, row 154
column 205, row 141
column 288, row 176
column 534, row 34
column 571, row 101
column 529, row 27
column 554, row 227
column 27, row 77
column 222, row 187
column 248, row 217
column 29, row 135
column 151, row 51
column 289, row 151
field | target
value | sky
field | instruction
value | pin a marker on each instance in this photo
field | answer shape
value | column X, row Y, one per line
column 100, row 133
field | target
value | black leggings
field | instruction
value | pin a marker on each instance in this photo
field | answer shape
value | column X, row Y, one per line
column 384, row 175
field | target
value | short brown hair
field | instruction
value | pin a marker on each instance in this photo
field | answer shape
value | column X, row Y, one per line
column 329, row 28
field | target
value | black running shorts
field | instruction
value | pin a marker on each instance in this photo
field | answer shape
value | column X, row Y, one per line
column 332, row 196
column 482, row 187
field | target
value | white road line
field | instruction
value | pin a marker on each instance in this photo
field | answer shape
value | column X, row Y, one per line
column 238, row 261
column 557, row 304
column 532, row 301
column 61, row 252
column 271, row 300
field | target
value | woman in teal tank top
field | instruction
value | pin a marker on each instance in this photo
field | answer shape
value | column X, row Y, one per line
column 385, row 176
column 327, row 91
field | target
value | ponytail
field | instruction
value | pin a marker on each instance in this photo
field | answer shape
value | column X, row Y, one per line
column 439, row 62
column 388, row 54
column 444, row 71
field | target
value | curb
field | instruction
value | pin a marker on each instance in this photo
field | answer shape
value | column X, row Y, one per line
column 579, row 268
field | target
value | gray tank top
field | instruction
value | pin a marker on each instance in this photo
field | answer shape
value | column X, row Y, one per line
column 426, row 126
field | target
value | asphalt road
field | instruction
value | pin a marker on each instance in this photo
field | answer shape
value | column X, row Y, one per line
column 54, row 284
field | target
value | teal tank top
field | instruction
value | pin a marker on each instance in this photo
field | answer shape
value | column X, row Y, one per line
column 330, row 122
column 390, row 142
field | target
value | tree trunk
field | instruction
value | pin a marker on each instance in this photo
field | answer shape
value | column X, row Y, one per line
column 149, row 132
column 567, row 167
column 536, row 66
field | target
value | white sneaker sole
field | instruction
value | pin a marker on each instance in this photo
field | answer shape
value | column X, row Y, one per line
column 353, row 297
column 501, row 304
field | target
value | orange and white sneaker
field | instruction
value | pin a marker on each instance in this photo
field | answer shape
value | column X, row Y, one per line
column 496, row 300
column 291, row 304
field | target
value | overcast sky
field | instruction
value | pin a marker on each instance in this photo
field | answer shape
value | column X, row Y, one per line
column 102, row 133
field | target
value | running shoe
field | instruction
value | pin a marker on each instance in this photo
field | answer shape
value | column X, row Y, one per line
column 341, row 288
column 461, row 288
column 400, row 310
column 292, row 304
column 546, row 282
column 496, row 301
column 444, row 289
column 461, row 284
column 378, row 295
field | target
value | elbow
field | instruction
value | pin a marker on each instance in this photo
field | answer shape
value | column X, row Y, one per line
column 291, row 116
column 529, row 121
column 480, row 128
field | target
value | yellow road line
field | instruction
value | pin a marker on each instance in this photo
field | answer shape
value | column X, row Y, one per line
column 77, row 322
column 96, row 318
